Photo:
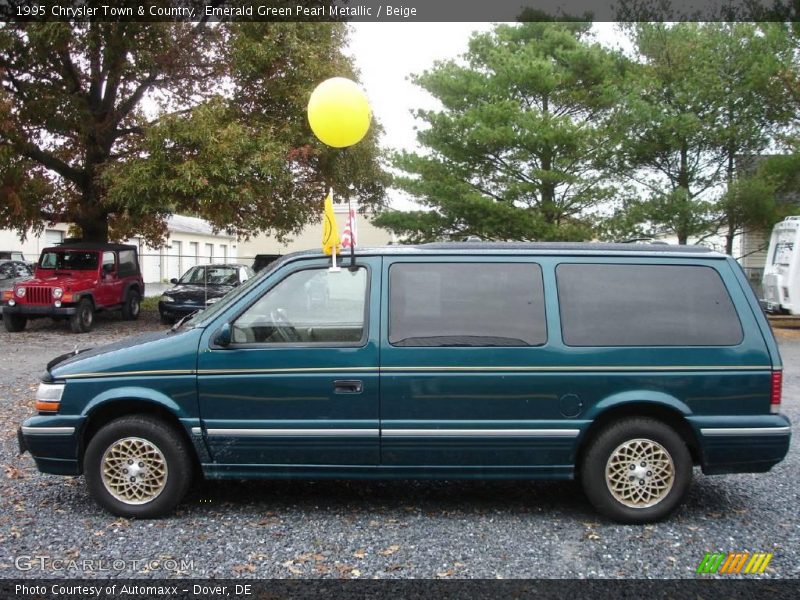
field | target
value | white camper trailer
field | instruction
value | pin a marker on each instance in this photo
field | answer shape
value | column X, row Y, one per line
column 782, row 272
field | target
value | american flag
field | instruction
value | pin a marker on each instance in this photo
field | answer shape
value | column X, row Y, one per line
column 349, row 235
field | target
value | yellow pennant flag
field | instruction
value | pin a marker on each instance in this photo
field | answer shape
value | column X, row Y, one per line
column 330, row 231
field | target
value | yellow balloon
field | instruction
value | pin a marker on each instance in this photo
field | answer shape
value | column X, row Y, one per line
column 338, row 112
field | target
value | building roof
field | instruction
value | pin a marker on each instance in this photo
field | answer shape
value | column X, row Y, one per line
column 184, row 224
column 69, row 245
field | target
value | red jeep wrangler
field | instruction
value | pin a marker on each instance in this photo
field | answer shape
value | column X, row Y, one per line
column 75, row 280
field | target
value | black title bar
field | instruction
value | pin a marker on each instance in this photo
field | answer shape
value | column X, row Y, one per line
column 398, row 11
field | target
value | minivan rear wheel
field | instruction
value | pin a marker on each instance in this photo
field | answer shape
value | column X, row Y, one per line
column 138, row 466
column 637, row 470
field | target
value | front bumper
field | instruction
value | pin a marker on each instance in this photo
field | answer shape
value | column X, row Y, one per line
column 53, row 443
column 177, row 309
column 40, row 310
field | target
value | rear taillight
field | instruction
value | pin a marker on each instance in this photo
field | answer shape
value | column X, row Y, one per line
column 775, row 395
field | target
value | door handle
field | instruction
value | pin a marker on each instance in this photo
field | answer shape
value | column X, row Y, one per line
column 348, row 386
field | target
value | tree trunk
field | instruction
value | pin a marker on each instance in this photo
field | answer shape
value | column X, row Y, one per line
column 684, row 201
column 92, row 219
column 729, row 238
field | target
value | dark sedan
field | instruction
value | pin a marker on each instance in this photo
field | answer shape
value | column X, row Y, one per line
column 199, row 287
column 11, row 272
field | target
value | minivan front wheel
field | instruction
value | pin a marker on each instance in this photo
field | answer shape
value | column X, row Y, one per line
column 637, row 470
column 138, row 466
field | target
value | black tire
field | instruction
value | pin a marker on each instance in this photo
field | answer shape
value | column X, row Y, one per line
column 652, row 435
column 177, row 476
column 131, row 306
column 14, row 323
column 83, row 319
column 166, row 319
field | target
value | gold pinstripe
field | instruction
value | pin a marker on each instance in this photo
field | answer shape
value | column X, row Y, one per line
column 459, row 369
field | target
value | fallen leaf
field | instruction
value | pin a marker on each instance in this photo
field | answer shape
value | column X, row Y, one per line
column 360, row 553
column 296, row 570
column 355, row 573
column 390, row 550
column 13, row 472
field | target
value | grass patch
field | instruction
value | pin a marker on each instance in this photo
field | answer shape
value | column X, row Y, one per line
column 150, row 303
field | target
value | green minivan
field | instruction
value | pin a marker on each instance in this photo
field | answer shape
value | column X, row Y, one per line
column 623, row 365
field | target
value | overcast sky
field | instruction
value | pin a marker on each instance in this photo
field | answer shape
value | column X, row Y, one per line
column 387, row 53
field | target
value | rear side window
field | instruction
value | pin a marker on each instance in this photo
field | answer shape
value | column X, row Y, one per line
column 466, row 304
column 127, row 263
column 645, row 305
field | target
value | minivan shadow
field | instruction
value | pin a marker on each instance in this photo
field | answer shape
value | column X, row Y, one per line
column 707, row 498
column 394, row 495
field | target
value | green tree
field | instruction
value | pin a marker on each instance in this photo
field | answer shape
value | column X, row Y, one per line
column 518, row 149
column 703, row 96
column 114, row 126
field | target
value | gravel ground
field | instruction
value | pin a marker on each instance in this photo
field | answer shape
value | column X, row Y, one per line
column 374, row 529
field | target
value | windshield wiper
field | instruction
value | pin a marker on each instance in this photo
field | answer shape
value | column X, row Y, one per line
column 181, row 321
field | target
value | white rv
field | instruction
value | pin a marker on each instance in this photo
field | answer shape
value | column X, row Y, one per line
column 782, row 272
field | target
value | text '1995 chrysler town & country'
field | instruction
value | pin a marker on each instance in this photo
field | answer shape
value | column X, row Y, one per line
column 621, row 365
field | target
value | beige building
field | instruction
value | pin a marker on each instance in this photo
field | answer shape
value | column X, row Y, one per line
column 33, row 244
column 310, row 237
column 191, row 241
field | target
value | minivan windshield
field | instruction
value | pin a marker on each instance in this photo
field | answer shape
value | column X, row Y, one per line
column 68, row 260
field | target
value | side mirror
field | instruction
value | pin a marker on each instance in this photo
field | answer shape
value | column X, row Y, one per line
column 223, row 337
column 173, row 281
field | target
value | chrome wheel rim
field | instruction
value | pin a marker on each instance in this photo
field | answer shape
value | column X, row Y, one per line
column 134, row 470
column 640, row 473
column 134, row 306
column 86, row 316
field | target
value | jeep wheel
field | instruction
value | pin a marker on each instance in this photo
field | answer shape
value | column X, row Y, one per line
column 131, row 306
column 83, row 319
column 138, row 466
column 15, row 323
column 637, row 470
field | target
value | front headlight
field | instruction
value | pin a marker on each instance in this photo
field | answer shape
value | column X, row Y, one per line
column 48, row 397
column 166, row 298
column 57, row 293
column 20, row 292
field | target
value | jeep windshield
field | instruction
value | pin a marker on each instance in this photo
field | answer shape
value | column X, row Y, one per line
column 68, row 260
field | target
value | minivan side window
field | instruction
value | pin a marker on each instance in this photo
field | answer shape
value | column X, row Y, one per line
column 308, row 306
column 645, row 305
column 466, row 304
